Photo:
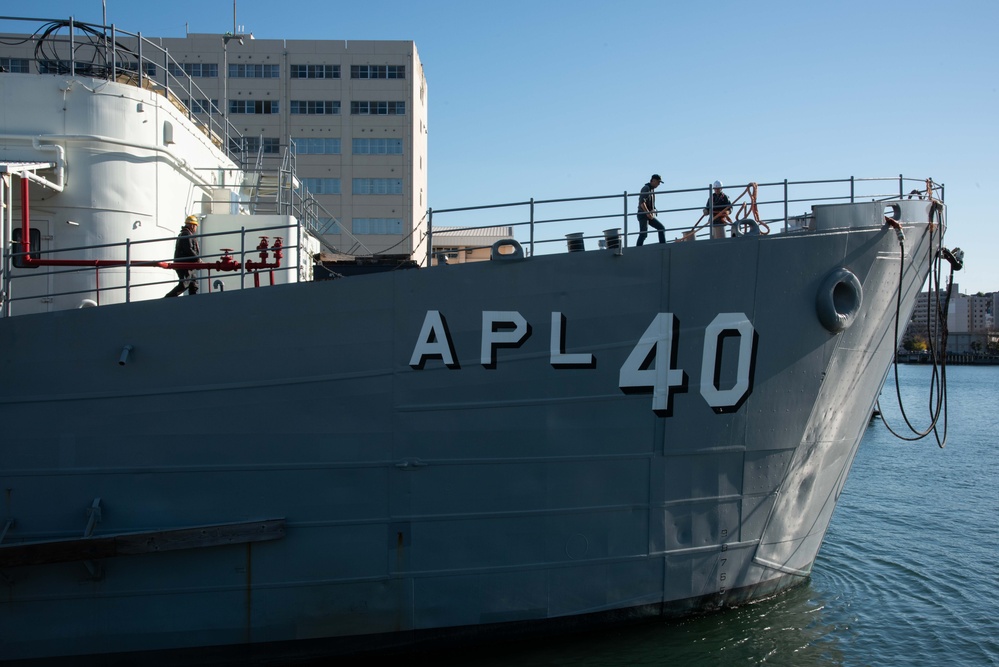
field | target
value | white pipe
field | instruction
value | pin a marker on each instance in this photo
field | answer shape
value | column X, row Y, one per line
column 178, row 164
column 60, row 151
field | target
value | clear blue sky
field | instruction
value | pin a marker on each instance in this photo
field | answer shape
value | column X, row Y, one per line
column 549, row 100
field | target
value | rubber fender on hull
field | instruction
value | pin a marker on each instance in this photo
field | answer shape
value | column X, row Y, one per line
column 839, row 300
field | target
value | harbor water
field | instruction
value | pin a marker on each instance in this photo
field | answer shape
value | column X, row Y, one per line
column 908, row 573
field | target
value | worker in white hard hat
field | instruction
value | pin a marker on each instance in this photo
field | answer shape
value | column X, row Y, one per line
column 186, row 250
column 719, row 208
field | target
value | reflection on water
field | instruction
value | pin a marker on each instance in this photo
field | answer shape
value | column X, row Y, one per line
column 788, row 629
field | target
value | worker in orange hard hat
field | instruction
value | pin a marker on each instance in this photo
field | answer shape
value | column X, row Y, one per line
column 186, row 250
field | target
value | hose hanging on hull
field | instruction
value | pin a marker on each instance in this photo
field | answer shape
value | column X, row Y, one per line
column 938, row 378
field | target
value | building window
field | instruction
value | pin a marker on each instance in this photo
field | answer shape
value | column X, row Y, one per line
column 315, row 107
column 60, row 67
column 378, row 108
column 195, row 70
column 376, row 225
column 202, row 105
column 254, row 106
column 377, row 71
column 315, row 71
column 377, row 186
column 310, row 146
column 148, row 68
column 254, row 71
column 254, row 145
column 322, row 186
column 16, row 65
column 377, row 146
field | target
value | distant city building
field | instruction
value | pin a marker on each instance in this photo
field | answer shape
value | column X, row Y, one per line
column 456, row 245
column 970, row 322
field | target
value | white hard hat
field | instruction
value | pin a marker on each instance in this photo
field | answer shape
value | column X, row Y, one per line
column 716, row 184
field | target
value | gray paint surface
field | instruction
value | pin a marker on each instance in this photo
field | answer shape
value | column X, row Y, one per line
column 432, row 498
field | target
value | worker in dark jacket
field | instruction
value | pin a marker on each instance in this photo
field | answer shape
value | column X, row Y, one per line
column 186, row 250
column 647, row 211
column 718, row 207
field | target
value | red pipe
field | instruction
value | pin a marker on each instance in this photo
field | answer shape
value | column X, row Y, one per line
column 264, row 264
column 225, row 263
column 25, row 229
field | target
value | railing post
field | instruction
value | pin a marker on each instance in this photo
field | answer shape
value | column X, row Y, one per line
column 128, row 270
column 532, row 227
column 166, row 78
column 242, row 256
column 5, row 179
column 785, row 205
column 114, row 54
column 901, row 187
column 142, row 70
column 711, row 212
column 104, row 32
column 851, row 190
column 430, row 235
column 624, row 241
column 72, row 49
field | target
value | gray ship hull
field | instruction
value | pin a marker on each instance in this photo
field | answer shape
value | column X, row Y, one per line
column 499, row 446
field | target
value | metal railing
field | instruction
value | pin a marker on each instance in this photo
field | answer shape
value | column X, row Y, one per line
column 543, row 225
column 586, row 217
column 235, row 245
column 284, row 194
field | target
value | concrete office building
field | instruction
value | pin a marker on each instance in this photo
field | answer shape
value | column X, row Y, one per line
column 356, row 112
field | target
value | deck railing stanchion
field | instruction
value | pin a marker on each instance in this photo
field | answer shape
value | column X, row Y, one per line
column 430, row 235
column 532, row 227
column 624, row 225
column 901, row 187
column 142, row 72
column 851, row 190
column 72, row 50
column 242, row 257
column 5, row 214
column 711, row 212
column 114, row 55
column 785, row 204
column 128, row 270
